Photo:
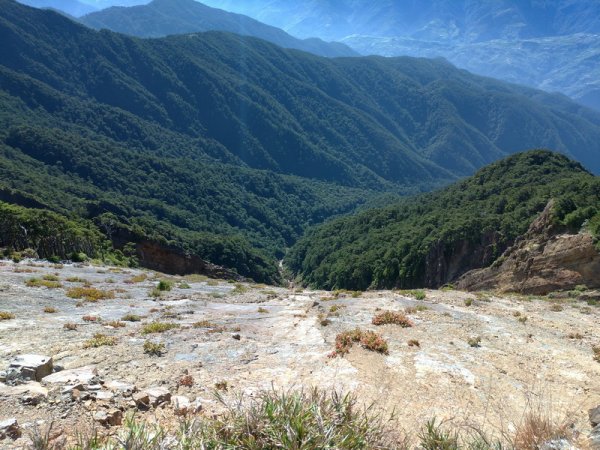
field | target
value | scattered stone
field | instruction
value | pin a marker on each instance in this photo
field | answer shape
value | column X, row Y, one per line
column 2, row 376
column 196, row 406
column 594, row 415
column 557, row 444
column 142, row 400
column 29, row 367
column 181, row 405
column 103, row 395
column 9, row 428
column 236, row 336
column 109, row 418
column 595, row 438
column 121, row 387
column 32, row 393
column 158, row 396
column 82, row 375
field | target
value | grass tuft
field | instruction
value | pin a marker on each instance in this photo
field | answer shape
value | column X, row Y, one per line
column 158, row 327
column 100, row 340
column 90, row 294
column 154, row 348
column 5, row 315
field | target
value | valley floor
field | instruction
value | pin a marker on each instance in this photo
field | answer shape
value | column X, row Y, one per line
column 535, row 354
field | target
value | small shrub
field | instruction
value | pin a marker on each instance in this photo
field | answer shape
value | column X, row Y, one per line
column 474, row 342
column 90, row 294
column 155, row 292
column 90, row 319
column 164, row 285
column 70, row 326
column 158, row 327
column 393, row 318
column 575, row 336
column 50, row 277
column 50, row 310
column 596, row 351
column 76, row 280
column 221, row 386
column 468, row 302
column 517, row 314
column 37, row 282
column 522, row 319
column 115, row 324
column 367, row 339
column 555, row 307
column 184, row 285
column 415, row 309
column 137, row 279
column 239, row 289
column 154, row 348
column 263, row 310
column 447, row 287
column 5, row 315
column 131, row 318
column 323, row 320
column 414, row 343
column 100, row 340
column 419, row 294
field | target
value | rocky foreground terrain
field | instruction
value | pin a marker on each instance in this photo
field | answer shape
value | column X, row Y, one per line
column 476, row 361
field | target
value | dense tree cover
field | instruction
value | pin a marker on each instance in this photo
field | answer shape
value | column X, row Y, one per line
column 230, row 147
column 388, row 247
column 165, row 17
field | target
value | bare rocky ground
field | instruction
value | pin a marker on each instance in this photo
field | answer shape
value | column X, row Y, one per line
column 535, row 354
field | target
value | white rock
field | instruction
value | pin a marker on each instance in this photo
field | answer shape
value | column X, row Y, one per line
column 119, row 386
column 82, row 375
column 158, row 395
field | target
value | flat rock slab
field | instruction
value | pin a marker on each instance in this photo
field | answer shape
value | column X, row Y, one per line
column 594, row 415
column 30, row 367
column 82, row 375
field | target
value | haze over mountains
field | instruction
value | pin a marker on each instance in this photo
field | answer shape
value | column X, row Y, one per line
column 165, row 17
column 550, row 45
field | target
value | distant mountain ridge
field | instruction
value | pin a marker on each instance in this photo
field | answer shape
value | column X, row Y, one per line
column 166, row 17
column 73, row 8
column 549, row 45
column 229, row 147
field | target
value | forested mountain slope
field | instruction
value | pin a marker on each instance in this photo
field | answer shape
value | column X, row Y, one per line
column 432, row 239
column 229, row 147
column 165, row 17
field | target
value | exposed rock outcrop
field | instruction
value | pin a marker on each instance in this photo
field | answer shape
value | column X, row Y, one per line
column 543, row 260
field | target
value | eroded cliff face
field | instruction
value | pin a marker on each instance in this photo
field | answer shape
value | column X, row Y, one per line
column 445, row 263
column 163, row 258
column 543, row 260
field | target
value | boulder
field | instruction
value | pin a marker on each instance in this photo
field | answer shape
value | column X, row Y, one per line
column 142, row 400
column 29, row 367
column 9, row 428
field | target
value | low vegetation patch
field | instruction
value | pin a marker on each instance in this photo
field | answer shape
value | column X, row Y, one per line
column 414, row 343
column 468, row 302
column 367, row 339
column 90, row 294
column 154, row 348
column 50, row 310
column 5, row 315
column 137, row 279
column 51, row 283
column 158, row 327
column 115, row 324
column 239, row 289
column 596, row 351
column 131, row 318
column 262, row 310
column 415, row 309
column 69, row 326
column 392, row 318
column 100, row 340
column 474, row 341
